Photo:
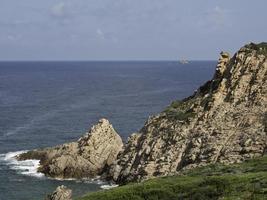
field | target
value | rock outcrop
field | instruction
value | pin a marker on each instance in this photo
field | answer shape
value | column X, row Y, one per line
column 61, row 193
column 86, row 158
column 224, row 121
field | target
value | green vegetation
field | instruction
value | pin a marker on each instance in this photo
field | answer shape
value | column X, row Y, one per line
column 261, row 48
column 180, row 110
column 239, row 181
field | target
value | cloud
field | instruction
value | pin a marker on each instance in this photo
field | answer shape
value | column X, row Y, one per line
column 108, row 36
column 13, row 37
column 14, row 23
column 214, row 19
column 218, row 16
column 100, row 33
column 59, row 10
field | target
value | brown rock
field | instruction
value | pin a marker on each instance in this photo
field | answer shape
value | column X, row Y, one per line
column 61, row 193
column 85, row 158
column 224, row 121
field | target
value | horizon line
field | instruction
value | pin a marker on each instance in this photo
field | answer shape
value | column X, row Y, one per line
column 193, row 60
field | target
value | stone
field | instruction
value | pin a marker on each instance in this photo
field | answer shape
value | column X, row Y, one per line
column 86, row 158
column 61, row 193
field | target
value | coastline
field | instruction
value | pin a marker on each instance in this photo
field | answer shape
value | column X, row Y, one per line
column 68, row 120
column 30, row 168
column 27, row 167
column 191, row 133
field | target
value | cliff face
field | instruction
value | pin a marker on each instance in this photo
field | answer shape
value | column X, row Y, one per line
column 225, row 121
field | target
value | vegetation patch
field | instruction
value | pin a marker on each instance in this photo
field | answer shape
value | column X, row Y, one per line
column 239, row 181
column 180, row 110
column 261, row 48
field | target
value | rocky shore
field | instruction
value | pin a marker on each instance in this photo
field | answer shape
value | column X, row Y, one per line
column 86, row 158
column 61, row 193
column 225, row 121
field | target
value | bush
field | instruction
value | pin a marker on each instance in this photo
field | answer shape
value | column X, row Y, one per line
column 247, row 180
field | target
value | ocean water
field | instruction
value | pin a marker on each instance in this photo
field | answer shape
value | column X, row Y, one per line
column 48, row 103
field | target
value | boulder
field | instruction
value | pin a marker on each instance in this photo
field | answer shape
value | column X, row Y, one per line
column 86, row 158
column 61, row 193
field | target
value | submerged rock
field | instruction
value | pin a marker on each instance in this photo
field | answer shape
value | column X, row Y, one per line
column 61, row 193
column 86, row 158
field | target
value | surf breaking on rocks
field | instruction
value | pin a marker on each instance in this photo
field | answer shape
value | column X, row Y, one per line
column 25, row 167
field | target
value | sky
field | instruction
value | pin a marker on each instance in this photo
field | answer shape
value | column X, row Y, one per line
column 128, row 29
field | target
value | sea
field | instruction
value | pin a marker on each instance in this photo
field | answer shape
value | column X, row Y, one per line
column 43, row 104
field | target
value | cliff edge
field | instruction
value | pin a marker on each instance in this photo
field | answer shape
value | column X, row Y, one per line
column 225, row 121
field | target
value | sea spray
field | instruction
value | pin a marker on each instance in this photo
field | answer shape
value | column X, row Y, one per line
column 26, row 167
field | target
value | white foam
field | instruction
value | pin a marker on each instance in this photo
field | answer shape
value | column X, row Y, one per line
column 26, row 167
column 30, row 168
column 62, row 179
column 107, row 187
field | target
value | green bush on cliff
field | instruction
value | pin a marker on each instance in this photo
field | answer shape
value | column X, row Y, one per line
column 180, row 110
column 240, row 181
column 261, row 48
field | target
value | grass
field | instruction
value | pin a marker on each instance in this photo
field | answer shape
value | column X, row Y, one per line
column 239, row 181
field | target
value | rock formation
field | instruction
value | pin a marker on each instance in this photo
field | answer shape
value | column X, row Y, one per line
column 61, row 193
column 87, row 157
column 224, row 121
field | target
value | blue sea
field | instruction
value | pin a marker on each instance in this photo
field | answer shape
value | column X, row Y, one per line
column 43, row 104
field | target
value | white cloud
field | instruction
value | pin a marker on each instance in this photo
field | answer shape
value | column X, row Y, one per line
column 59, row 10
column 214, row 19
column 100, row 33
column 218, row 16
column 13, row 37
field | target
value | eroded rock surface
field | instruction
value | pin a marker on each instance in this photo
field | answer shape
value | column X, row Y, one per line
column 61, row 193
column 224, row 121
column 86, row 158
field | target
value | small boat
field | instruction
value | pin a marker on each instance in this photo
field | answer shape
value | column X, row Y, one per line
column 184, row 61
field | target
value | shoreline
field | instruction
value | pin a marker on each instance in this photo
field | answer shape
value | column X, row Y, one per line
column 30, row 168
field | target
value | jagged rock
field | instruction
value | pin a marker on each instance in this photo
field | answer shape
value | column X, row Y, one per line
column 224, row 121
column 221, row 66
column 87, row 157
column 61, row 193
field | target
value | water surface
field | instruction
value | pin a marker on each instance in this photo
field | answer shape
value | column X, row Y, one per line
column 48, row 103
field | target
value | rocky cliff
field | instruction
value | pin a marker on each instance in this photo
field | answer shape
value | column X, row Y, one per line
column 86, row 158
column 225, row 121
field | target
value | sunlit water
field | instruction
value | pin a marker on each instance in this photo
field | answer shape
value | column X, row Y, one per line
column 47, row 103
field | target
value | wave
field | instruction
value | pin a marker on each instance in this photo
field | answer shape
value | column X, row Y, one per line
column 30, row 168
column 26, row 167
column 107, row 187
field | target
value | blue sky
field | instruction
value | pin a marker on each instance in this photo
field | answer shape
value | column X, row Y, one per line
column 128, row 29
